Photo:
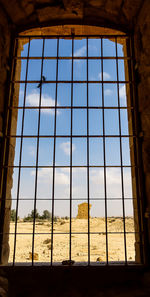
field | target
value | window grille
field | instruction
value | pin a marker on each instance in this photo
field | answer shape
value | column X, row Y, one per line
column 76, row 113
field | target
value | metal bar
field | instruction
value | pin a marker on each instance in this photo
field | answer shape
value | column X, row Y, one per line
column 20, row 159
column 67, row 199
column 74, row 166
column 121, row 160
column 64, row 233
column 70, row 240
column 88, row 184
column 67, row 136
column 68, row 107
column 37, row 157
column 74, row 58
column 104, row 154
column 54, row 155
column 69, row 81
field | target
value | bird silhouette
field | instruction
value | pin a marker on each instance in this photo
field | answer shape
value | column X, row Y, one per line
column 42, row 81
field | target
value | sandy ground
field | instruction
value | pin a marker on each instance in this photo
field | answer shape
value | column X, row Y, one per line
column 79, row 241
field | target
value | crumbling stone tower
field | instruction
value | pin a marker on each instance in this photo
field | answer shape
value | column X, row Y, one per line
column 83, row 210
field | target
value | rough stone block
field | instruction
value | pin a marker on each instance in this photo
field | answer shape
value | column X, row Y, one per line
column 27, row 6
column 19, row 12
column 130, row 7
column 5, row 253
column 97, row 4
column 147, row 188
column 145, row 122
column 46, row 13
column 3, row 293
column 4, row 283
column 113, row 6
column 83, row 210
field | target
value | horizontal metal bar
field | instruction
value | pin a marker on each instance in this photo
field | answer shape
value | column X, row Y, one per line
column 69, row 107
column 66, row 199
column 74, row 81
column 72, row 58
column 68, row 136
column 73, row 166
column 73, row 233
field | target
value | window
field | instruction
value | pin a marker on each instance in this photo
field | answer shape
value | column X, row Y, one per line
column 71, row 121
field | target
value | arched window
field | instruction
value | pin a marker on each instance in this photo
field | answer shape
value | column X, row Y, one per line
column 71, row 126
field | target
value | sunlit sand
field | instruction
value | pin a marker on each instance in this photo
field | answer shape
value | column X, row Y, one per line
column 79, row 244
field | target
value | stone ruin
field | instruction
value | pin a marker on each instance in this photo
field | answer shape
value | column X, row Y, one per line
column 83, row 210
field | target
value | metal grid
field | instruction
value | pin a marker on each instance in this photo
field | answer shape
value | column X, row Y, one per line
column 87, row 136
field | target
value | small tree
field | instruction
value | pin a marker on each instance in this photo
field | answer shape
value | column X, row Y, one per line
column 27, row 219
column 34, row 214
column 46, row 215
column 30, row 216
column 13, row 215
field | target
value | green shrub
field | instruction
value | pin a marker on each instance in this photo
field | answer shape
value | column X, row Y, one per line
column 13, row 215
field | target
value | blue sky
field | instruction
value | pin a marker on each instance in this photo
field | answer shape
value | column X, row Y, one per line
column 79, row 148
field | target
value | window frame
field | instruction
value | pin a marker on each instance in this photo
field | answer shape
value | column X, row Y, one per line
column 137, row 149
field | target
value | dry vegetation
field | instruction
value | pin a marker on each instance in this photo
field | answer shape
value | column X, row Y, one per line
column 79, row 241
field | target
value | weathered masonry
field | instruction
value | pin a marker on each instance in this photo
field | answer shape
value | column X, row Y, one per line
column 79, row 17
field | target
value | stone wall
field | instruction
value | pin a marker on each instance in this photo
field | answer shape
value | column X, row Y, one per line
column 78, row 281
column 142, row 79
column 5, row 37
column 130, row 16
column 36, row 13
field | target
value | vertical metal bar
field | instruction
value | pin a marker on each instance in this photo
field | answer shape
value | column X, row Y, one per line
column 121, row 162
column 37, row 156
column 88, row 184
column 71, row 151
column 20, row 156
column 104, row 151
column 54, row 155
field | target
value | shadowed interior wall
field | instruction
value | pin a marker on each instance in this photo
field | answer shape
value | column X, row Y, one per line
column 130, row 16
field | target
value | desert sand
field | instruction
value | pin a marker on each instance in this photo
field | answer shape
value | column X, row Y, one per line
column 42, row 242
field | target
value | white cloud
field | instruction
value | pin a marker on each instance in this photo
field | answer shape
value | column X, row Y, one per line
column 80, row 52
column 65, row 146
column 113, row 182
column 97, row 176
column 62, row 178
column 45, row 175
column 32, row 150
column 79, row 187
column 21, row 92
column 65, row 170
column 108, row 92
column 122, row 92
column 106, row 76
column 113, row 176
column 33, row 100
